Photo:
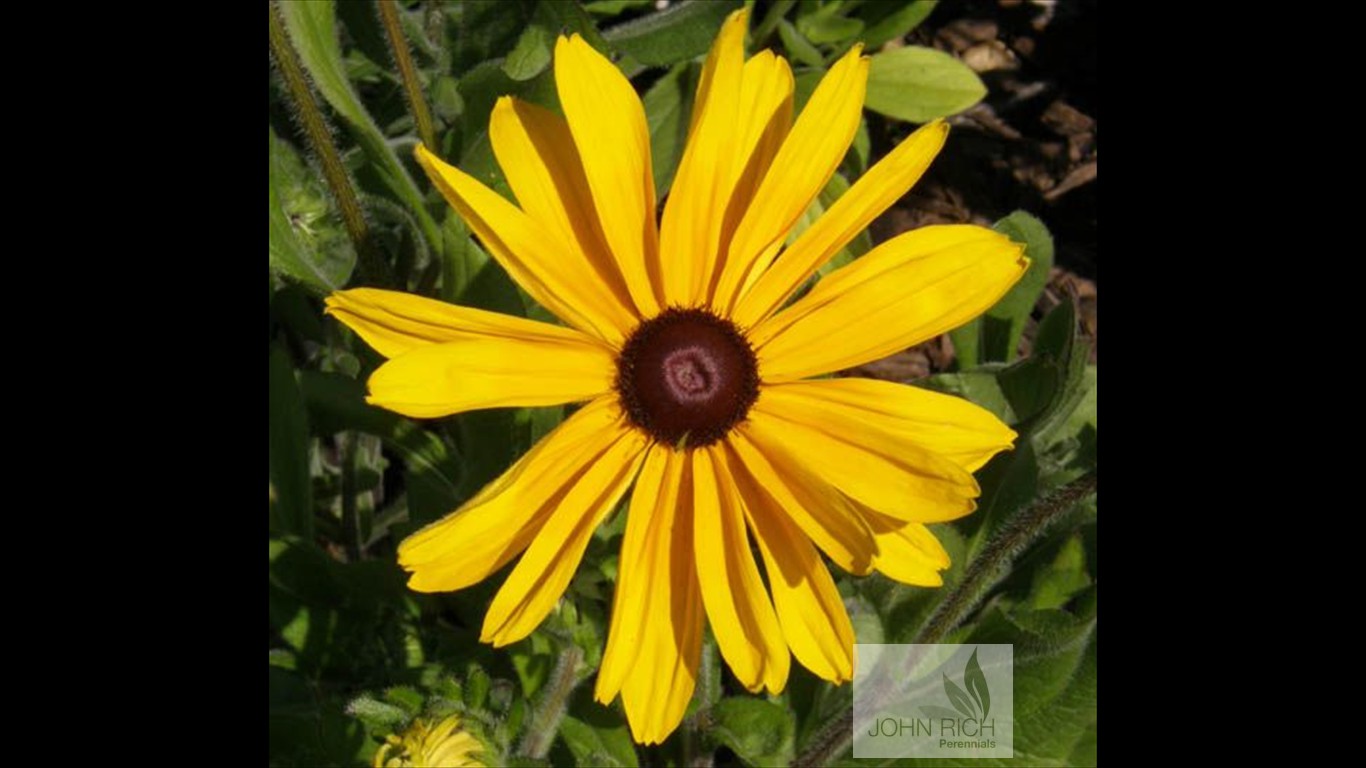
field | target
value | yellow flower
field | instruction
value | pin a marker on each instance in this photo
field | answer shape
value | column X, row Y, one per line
column 424, row 746
column 693, row 373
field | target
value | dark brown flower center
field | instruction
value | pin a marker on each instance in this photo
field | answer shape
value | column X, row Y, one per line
column 687, row 376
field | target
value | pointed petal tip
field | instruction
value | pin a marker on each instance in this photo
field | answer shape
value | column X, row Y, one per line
column 417, row 582
column 602, row 696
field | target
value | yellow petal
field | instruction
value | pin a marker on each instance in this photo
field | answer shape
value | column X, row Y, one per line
column 908, row 552
column 809, row 608
column 690, row 230
column 873, row 193
column 468, row 545
column 874, row 467
column 821, row 512
column 393, row 322
column 907, row 290
column 766, row 95
column 608, row 122
column 962, row 432
column 743, row 111
column 650, row 518
column 490, row 372
column 539, row 262
column 657, row 617
column 741, row 614
column 540, row 577
column 536, row 151
column 730, row 41
column 808, row 158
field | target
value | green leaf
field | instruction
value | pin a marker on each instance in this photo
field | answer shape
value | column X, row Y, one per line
column 568, row 18
column 614, row 7
column 967, row 345
column 533, row 660
column 610, row 747
column 1055, row 585
column 1049, row 647
column 861, row 149
column 291, row 483
column 480, row 88
column 676, row 34
column 312, row 29
column 826, row 25
column 446, row 99
column 1055, row 681
column 336, row 403
column 406, row 698
column 958, row 698
column 919, row 84
column 307, row 242
column 776, row 11
column 1004, row 323
column 469, row 277
column 477, row 684
column 1059, row 346
column 378, row 715
column 1084, row 751
column 531, row 55
column 480, row 30
column 804, row 84
column 1044, row 388
column 976, row 683
column 668, row 110
column 307, row 728
column 798, row 47
column 1009, row 482
column 459, row 263
column 1070, row 448
column 758, row 731
column 894, row 25
column 1054, row 687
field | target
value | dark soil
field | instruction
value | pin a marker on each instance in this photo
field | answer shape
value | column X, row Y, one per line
column 1030, row 145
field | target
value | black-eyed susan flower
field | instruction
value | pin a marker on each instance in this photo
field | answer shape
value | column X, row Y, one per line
column 423, row 745
column 696, row 373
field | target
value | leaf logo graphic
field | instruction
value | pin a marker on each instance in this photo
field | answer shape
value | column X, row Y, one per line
column 976, row 683
column 978, row 696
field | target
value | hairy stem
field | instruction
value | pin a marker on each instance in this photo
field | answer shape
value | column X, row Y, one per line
column 320, row 138
column 982, row 574
column 554, row 698
column 701, row 720
column 993, row 564
column 412, row 89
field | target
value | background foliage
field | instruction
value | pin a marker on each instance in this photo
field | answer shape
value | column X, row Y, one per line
column 353, row 654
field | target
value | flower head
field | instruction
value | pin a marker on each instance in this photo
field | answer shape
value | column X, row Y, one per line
column 693, row 369
column 423, row 745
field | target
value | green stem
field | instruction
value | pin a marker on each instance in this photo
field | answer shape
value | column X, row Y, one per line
column 701, row 719
column 770, row 22
column 982, row 575
column 993, row 564
column 388, row 15
column 545, row 720
column 320, row 138
column 350, row 518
